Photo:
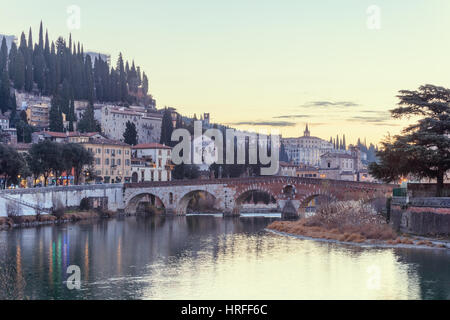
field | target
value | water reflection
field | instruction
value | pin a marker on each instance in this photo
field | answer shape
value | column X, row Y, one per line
column 208, row 257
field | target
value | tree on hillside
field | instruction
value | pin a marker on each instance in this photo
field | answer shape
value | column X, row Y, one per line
column 87, row 122
column 423, row 148
column 144, row 84
column 166, row 128
column 3, row 56
column 130, row 134
column 55, row 117
column 24, row 132
column 49, row 64
column 5, row 96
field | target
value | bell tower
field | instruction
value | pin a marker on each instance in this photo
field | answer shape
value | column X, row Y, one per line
column 306, row 133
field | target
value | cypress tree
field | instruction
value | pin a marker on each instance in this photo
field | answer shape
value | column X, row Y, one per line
column 5, row 98
column 3, row 55
column 87, row 122
column 130, row 134
column 55, row 116
column 12, row 61
column 166, row 128
column 41, row 38
column 19, row 71
column 144, row 84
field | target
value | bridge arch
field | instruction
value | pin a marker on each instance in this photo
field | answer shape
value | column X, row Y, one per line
column 186, row 199
column 244, row 194
column 312, row 200
column 144, row 199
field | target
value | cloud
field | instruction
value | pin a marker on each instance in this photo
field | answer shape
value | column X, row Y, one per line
column 383, row 119
column 368, row 119
column 292, row 116
column 331, row 104
column 265, row 123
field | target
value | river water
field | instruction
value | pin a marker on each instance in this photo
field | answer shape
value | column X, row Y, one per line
column 208, row 257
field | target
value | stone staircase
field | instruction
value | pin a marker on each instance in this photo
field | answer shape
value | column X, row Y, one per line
column 24, row 203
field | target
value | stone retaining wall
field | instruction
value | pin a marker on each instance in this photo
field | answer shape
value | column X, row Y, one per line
column 421, row 216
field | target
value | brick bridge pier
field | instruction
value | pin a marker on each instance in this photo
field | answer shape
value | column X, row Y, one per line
column 291, row 194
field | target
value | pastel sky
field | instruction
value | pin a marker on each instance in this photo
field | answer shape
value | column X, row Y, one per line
column 258, row 64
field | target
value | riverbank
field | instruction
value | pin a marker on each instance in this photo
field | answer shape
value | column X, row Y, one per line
column 352, row 222
column 7, row 223
column 399, row 242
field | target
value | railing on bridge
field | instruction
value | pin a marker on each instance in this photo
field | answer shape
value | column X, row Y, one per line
column 247, row 180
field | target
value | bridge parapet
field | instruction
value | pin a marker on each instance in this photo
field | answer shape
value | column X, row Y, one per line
column 230, row 192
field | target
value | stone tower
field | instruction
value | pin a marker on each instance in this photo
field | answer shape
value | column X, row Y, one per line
column 306, row 133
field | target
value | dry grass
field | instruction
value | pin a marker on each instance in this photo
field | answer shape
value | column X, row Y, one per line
column 77, row 216
column 349, row 221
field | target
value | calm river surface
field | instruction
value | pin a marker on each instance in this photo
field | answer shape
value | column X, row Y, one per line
column 208, row 257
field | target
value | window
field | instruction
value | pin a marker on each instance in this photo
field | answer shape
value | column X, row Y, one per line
column 97, row 161
column 113, row 162
column 127, row 162
column 119, row 151
column 107, row 161
column 118, row 162
column 107, row 151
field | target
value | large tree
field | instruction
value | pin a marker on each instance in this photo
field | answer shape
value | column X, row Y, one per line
column 423, row 148
column 44, row 158
column 130, row 134
column 12, row 165
column 76, row 157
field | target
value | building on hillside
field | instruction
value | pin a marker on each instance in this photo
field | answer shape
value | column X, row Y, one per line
column 82, row 137
column 112, row 160
column 287, row 169
column 25, row 99
column 307, row 149
column 151, row 162
column 342, row 166
column 64, row 137
column 148, row 123
column 305, row 171
column 4, row 122
column 38, row 115
column 8, row 136
column 81, row 106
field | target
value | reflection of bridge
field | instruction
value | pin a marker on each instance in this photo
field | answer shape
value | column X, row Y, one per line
column 291, row 194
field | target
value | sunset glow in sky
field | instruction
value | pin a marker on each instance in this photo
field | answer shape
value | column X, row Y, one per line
column 265, row 64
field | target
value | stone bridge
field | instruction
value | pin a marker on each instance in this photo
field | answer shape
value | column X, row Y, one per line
column 292, row 194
